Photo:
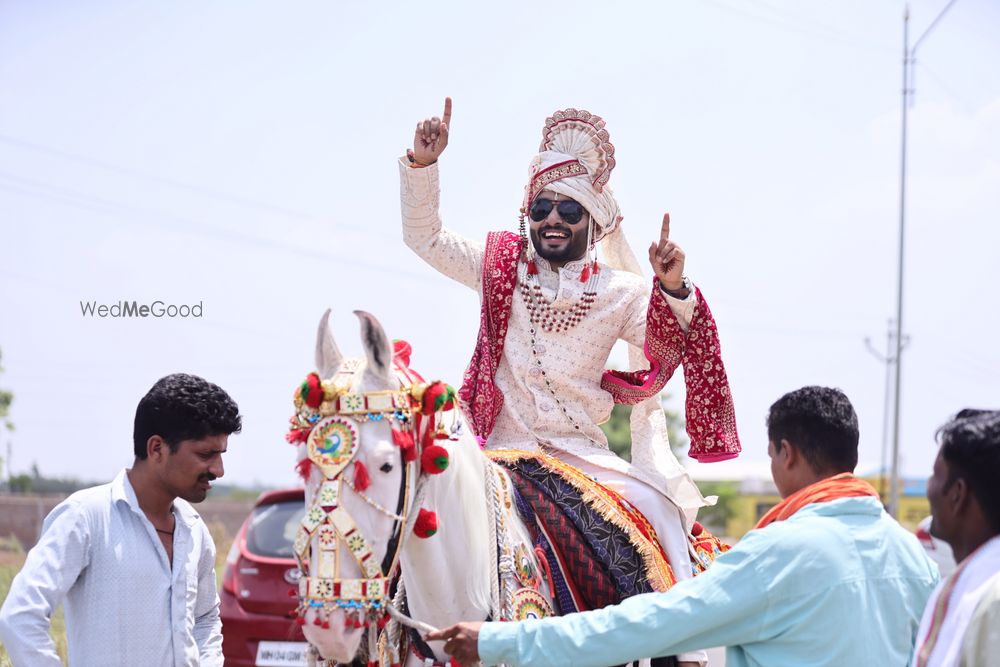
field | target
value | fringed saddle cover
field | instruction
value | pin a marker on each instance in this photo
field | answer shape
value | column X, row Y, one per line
column 598, row 548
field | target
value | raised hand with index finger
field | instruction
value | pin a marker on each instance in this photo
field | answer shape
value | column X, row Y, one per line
column 431, row 137
column 667, row 259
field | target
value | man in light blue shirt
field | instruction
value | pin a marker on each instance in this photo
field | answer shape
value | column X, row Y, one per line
column 132, row 560
column 827, row 578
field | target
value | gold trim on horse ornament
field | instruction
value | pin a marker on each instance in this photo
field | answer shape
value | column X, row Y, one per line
column 327, row 422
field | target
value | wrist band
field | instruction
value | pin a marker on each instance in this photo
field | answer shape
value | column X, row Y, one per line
column 676, row 293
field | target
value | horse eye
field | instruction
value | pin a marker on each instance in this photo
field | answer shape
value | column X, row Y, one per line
column 386, row 467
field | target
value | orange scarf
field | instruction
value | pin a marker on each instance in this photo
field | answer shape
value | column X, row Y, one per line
column 844, row 485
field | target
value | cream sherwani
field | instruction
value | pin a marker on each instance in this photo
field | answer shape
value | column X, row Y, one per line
column 572, row 361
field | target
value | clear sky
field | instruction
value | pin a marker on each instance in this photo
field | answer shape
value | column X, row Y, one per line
column 241, row 155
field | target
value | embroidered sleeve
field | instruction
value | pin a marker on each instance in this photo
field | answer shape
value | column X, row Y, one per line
column 448, row 252
column 683, row 308
column 711, row 418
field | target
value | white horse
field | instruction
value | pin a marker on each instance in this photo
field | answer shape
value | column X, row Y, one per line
column 365, row 489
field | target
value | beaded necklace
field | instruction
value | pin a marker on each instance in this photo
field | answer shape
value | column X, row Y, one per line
column 542, row 313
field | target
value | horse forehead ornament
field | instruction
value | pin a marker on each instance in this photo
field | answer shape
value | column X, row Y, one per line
column 326, row 422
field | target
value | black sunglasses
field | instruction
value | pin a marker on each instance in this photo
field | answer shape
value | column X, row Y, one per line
column 570, row 211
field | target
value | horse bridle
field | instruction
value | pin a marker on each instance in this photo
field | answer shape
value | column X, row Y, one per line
column 328, row 429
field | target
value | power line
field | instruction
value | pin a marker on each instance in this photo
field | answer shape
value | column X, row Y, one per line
column 146, row 217
column 170, row 182
column 786, row 24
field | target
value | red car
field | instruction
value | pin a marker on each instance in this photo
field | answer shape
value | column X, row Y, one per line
column 259, row 586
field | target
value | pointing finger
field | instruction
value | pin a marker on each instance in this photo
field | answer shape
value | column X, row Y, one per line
column 446, row 117
column 665, row 228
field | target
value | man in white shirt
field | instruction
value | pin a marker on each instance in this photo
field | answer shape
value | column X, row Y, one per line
column 960, row 623
column 132, row 560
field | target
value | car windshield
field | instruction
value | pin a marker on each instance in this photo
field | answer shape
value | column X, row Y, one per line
column 272, row 529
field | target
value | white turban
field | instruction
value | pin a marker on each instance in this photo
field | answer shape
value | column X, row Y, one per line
column 575, row 160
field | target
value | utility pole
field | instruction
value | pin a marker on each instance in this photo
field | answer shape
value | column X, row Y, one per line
column 888, row 359
column 909, row 59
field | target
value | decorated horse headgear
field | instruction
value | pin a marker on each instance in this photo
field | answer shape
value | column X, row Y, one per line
column 326, row 420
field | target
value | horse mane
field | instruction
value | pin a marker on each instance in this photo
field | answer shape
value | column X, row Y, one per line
column 464, row 486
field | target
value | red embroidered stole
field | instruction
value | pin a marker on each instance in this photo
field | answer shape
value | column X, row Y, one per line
column 711, row 419
column 480, row 399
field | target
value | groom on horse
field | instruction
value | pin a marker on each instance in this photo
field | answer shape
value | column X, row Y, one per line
column 551, row 313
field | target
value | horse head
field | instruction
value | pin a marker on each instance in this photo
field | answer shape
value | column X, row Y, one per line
column 368, row 430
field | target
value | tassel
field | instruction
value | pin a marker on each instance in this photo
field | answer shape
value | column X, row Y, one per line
column 434, row 460
column 404, row 440
column 426, row 524
column 585, row 274
column 304, row 468
column 300, row 620
column 297, row 435
column 312, row 391
column 401, row 351
column 437, row 397
column 361, row 478
column 428, row 438
column 532, row 268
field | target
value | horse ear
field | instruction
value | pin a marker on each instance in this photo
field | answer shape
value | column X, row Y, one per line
column 378, row 349
column 328, row 356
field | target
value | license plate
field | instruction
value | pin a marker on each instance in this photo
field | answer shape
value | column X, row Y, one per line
column 281, row 654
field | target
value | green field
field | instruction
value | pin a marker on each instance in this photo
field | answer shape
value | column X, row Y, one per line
column 10, row 565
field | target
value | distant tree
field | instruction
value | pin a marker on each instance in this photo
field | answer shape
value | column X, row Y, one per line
column 6, row 398
column 619, row 432
column 21, row 484
column 716, row 517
